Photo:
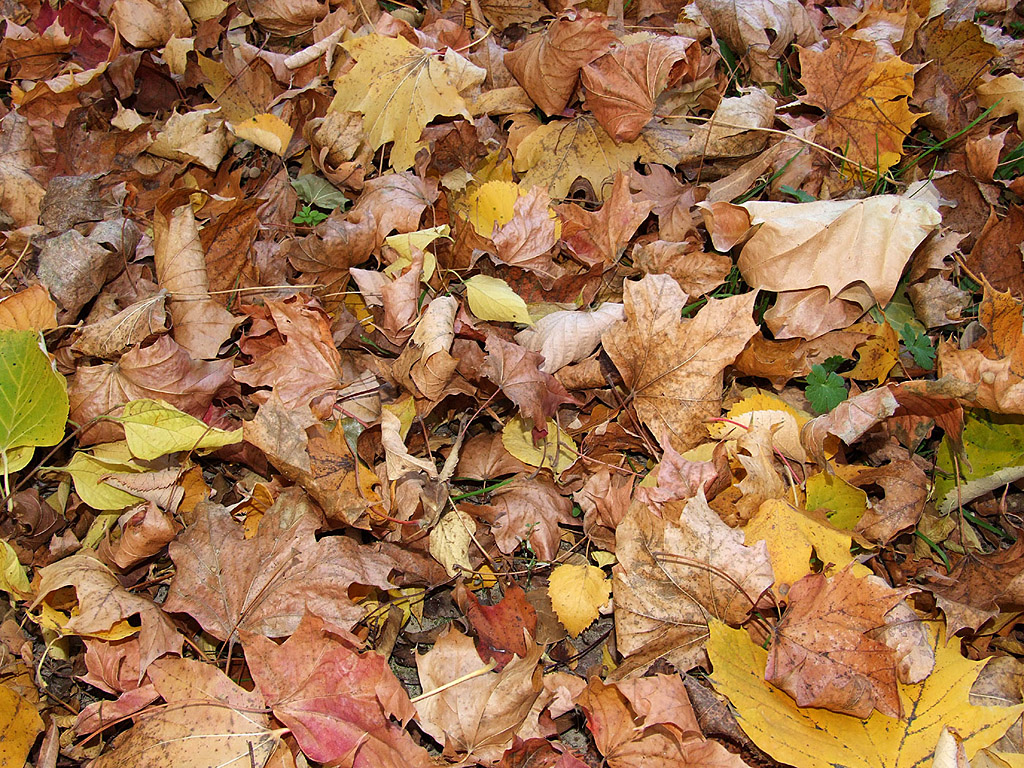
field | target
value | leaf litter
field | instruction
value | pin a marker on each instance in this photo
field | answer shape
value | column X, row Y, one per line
column 511, row 384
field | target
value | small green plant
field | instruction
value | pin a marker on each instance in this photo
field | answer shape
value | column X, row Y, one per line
column 799, row 194
column 1013, row 165
column 825, row 388
column 309, row 216
column 919, row 345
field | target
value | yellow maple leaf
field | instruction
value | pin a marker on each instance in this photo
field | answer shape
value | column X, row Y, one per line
column 399, row 88
column 818, row 738
column 792, row 536
column 864, row 101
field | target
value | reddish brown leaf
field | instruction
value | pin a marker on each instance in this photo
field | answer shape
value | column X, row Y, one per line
column 499, row 627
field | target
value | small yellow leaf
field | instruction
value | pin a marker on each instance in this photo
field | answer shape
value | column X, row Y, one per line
column 491, row 298
column 266, row 130
column 154, row 429
column 491, row 204
column 13, row 579
column 557, row 452
column 419, row 239
column 818, row 738
column 577, row 593
column 19, row 726
column 602, row 558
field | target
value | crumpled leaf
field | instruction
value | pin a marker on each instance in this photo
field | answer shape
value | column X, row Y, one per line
column 600, row 238
column 21, row 726
column 526, row 510
column 264, row 584
column 569, row 336
column 335, row 701
column 477, row 718
column 516, row 370
column 547, row 64
column 673, row 367
column 817, row 738
column 20, row 193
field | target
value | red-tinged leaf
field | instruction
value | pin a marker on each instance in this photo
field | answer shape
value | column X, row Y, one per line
column 335, row 701
column 500, row 627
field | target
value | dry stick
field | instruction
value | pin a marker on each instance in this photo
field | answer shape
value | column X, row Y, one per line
column 452, row 683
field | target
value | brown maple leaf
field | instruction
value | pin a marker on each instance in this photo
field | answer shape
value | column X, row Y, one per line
column 864, row 100
column 623, row 85
column 266, row 583
column 600, row 238
column 516, row 370
column 822, row 654
column 673, row 367
column 526, row 510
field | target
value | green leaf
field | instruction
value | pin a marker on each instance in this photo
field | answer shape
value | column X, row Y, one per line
column 33, row 396
column 153, row 429
column 318, row 191
column 994, row 444
column 825, row 389
column 919, row 345
column 799, row 194
column 86, row 472
column 491, row 298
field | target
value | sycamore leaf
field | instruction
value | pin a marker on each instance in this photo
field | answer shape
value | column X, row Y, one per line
column 491, row 298
column 154, row 428
column 864, row 100
column 399, row 88
column 577, row 593
column 34, row 401
column 817, row 738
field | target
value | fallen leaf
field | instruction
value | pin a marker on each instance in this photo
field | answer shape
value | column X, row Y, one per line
column 864, row 100
column 503, row 629
column 154, row 429
column 264, row 584
column 600, row 238
column 477, row 718
column 21, row 726
column 547, row 64
column 675, row 575
column 569, row 336
column 336, row 702
column 399, row 88
column 450, row 541
column 577, row 593
column 818, row 738
column 20, row 193
column 28, row 309
column 516, row 371
column 672, row 367
column 526, row 511
column 491, row 298
column 822, row 653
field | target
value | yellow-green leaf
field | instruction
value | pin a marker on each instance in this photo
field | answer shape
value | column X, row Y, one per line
column 577, row 593
column 818, row 738
column 86, row 471
column 844, row 504
column 33, row 396
column 491, row 298
column 404, row 243
column 557, row 452
column 154, row 429
column 13, row 579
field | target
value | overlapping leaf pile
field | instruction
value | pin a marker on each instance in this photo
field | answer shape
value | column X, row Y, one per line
column 511, row 384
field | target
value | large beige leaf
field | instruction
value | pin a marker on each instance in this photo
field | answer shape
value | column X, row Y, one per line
column 201, row 325
column 674, row 576
column 804, row 245
column 817, row 738
column 673, row 367
column 476, row 718
column 569, row 336
column 399, row 88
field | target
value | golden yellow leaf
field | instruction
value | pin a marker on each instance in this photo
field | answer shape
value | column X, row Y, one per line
column 864, row 100
column 876, row 356
column 760, row 409
column 1006, row 94
column 793, row 536
column 844, row 504
column 19, row 726
column 557, row 452
column 818, row 738
column 399, row 88
column 577, row 593
column 491, row 203
column 265, row 130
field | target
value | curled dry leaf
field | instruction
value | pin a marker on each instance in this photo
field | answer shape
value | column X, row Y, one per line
column 569, row 336
column 526, row 510
column 547, row 64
